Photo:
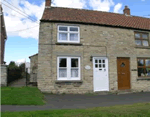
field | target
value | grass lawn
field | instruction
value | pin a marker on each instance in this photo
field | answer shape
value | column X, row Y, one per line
column 135, row 110
column 21, row 96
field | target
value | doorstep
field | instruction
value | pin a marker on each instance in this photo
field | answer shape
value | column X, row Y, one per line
column 118, row 92
column 125, row 91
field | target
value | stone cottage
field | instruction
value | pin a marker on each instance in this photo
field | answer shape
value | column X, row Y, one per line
column 83, row 51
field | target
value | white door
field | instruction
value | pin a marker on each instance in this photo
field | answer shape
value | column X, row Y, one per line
column 100, row 71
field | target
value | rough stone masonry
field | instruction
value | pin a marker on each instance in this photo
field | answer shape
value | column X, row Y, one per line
column 94, row 41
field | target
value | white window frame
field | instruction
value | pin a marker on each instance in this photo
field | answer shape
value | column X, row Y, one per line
column 68, row 34
column 68, row 69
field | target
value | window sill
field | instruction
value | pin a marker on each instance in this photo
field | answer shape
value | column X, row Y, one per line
column 68, row 81
column 143, row 78
column 142, row 47
column 63, row 43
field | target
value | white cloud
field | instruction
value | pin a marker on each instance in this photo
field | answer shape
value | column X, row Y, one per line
column 27, row 64
column 101, row 5
column 117, row 8
column 15, row 21
column 18, row 62
column 69, row 3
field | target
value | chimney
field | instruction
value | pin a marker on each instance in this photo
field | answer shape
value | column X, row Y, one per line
column 126, row 10
column 47, row 3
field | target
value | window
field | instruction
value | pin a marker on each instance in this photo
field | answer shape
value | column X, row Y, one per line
column 68, row 34
column 143, row 67
column 141, row 39
column 68, row 68
column 99, row 63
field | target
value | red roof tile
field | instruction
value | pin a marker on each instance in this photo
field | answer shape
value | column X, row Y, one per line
column 95, row 17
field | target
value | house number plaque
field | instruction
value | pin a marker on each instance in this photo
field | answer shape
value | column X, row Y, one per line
column 87, row 67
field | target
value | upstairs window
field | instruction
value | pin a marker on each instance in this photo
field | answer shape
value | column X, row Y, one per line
column 141, row 39
column 68, row 34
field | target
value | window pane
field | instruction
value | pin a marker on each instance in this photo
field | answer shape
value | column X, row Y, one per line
column 103, row 61
column 62, row 72
column 74, row 62
column 62, row 62
column 96, row 61
column 144, row 36
column 141, row 72
column 138, row 42
column 99, row 61
column 137, row 35
column 62, row 36
column 147, row 61
column 103, row 65
column 74, row 72
column 73, row 37
column 145, row 43
column 73, row 29
column 100, row 65
column 140, row 62
column 96, row 65
column 62, row 28
column 148, row 72
column 123, row 64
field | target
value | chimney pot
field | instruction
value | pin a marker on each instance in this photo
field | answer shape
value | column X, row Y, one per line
column 47, row 3
column 126, row 10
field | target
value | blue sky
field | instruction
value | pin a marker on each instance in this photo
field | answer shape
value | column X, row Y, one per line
column 22, row 43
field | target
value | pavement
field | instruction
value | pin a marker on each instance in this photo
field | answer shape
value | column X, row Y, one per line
column 18, row 83
column 72, row 101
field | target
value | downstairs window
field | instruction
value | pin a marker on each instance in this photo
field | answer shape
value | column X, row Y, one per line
column 68, row 68
column 143, row 67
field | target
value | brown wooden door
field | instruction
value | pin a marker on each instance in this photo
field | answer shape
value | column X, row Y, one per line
column 123, row 66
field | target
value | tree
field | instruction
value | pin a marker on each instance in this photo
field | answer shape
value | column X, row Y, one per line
column 13, row 72
column 12, row 65
column 22, row 68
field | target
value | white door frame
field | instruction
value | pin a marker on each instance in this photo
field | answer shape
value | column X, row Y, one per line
column 93, row 70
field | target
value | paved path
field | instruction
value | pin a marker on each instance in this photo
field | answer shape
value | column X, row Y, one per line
column 18, row 83
column 71, row 101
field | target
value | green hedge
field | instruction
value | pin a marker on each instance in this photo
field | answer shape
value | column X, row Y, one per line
column 15, row 72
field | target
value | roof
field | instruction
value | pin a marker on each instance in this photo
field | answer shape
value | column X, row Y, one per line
column 33, row 55
column 95, row 17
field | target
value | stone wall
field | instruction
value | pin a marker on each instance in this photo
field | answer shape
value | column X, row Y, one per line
column 3, row 75
column 33, row 68
column 95, row 41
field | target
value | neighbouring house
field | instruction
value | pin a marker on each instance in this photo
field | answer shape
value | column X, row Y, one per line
column 3, row 38
column 28, row 67
column 82, row 51
column 33, row 69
